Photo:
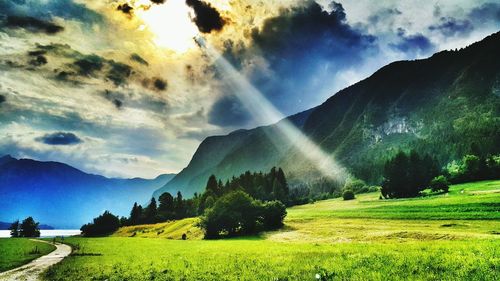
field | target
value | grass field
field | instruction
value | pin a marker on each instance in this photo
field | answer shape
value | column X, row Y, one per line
column 17, row 251
column 437, row 237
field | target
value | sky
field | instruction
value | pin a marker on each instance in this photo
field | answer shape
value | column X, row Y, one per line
column 120, row 88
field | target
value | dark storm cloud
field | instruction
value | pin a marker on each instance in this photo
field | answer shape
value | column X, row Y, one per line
column 32, row 24
column 118, row 103
column 160, row 84
column 119, row 73
column 59, row 138
column 125, row 8
column 38, row 60
column 228, row 111
column 486, row 13
column 139, row 59
column 207, row 18
column 302, row 45
column 412, row 44
column 2, row 99
column 45, row 10
column 89, row 64
column 450, row 26
column 158, row 1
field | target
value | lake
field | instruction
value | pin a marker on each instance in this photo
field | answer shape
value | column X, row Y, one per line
column 47, row 233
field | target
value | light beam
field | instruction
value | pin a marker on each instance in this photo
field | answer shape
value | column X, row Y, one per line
column 264, row 112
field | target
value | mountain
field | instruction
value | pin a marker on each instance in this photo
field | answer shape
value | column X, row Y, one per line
column 63, row 196
column 447, row 105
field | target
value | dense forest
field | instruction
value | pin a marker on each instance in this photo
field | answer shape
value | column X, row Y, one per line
column 257, row 201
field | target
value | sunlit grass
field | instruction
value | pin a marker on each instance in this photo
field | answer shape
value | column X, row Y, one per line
column 169, row 230
column 362, row 239
column 17, row 251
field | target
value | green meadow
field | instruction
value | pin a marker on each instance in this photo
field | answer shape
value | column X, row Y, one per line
column 18, row 251
column 452, row 236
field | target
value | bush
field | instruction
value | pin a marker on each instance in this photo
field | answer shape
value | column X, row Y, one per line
column 273, row 214
column 439, row 183
column 348, row 194
column 357, row 186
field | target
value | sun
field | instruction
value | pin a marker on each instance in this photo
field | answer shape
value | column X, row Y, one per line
column 171, row 25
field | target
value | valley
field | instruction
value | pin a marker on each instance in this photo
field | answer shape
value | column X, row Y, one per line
column 437, row 237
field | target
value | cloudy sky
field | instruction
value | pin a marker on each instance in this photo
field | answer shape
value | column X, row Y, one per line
column 120, row 88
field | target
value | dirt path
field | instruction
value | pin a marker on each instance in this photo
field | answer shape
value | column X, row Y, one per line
column 32, row 270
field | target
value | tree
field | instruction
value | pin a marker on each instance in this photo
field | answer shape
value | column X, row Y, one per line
column 135, row 215
column 14, row 229
column 151, row 212
column 179, row 206
column 439, row 183
column 166, row 207
column 212, row 184
column 104, row 224
column 348, row 194
column 29, row 228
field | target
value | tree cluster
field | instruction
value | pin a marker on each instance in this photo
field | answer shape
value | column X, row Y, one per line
column 103, row 225
column 28, row 228
column 166, row 208
column 473, row 168
column 237, row 213
column 407, row 175
column 262, row 207
column 261, row 186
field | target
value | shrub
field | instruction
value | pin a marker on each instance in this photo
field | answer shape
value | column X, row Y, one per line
column 439, row 183
column 273, row 214
column 357, row 186
column 348, row 194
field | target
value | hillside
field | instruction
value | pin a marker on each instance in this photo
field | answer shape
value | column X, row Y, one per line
column 441, row 105
column 466, row 211
column 65, row 197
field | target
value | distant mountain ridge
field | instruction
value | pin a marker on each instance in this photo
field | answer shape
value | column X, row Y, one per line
column 63, row 196
column 6, row 225
column 447, row 105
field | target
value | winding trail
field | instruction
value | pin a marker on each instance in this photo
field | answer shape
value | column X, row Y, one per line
column 32, row 271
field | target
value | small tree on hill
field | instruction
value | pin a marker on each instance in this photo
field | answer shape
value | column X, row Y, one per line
column 439, row 183
column 348, row 194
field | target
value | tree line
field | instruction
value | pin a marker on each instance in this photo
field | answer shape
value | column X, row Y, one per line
column 262, row 193
column 27, row 228
column 407, row 175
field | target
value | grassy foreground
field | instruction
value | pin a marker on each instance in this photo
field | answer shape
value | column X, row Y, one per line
column 439, row 237
column 18, row 251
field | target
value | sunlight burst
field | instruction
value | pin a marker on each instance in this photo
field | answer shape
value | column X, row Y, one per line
column 171, row 25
